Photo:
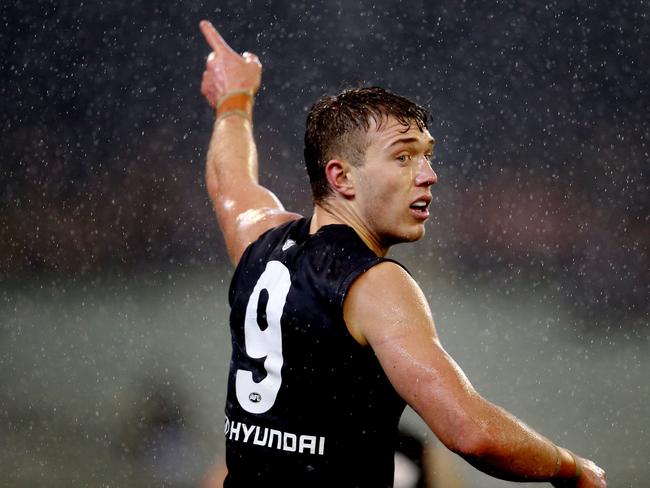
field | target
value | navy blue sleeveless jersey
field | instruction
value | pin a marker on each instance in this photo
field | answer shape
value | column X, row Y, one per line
column 307, row 405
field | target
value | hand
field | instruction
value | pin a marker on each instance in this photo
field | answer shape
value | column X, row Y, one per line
column 225, row 70
column 592, row 477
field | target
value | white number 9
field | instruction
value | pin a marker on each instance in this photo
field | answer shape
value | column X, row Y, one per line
column 259, row 397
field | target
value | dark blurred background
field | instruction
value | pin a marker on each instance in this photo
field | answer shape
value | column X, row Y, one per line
column 109, row 248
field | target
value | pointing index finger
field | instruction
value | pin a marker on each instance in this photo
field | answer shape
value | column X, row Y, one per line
column 214, row 39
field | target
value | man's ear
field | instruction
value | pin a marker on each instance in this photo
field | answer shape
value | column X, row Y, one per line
column 338, row 176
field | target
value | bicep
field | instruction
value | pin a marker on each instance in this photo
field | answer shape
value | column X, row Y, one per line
column 387, row 309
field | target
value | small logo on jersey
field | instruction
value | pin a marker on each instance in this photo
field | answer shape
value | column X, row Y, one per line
column 255, row 397
column 287, row 244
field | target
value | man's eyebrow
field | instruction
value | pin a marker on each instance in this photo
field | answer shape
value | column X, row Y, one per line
column 408, row 140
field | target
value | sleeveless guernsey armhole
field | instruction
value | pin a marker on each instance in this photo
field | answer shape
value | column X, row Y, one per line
column 269, row 237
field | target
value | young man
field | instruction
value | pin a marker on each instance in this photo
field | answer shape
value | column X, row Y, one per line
column 330, row 338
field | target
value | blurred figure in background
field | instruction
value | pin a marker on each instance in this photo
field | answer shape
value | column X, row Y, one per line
column 331, row 339
column 156, row 437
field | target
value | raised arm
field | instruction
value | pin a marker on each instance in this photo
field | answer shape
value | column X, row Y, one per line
column 244, row 208
column 386, row 309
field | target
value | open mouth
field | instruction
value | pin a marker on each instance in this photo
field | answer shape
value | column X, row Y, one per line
column 420, row 208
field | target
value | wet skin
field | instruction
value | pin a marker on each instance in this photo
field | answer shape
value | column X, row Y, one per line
column 385, row 198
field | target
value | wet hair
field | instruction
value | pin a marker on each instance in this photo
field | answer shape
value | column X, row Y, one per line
column 337, row 127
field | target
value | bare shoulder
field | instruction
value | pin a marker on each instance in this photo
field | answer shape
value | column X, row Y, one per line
column 389, row 283
column 385, row 300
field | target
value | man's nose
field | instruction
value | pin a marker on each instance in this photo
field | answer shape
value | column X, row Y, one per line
column 426, row 176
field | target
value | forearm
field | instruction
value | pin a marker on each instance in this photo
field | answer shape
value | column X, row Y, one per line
column 483, row 433
column 511, row 450
column 232, row 154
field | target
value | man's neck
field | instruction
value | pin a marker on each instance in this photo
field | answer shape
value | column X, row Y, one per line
column 326, row 213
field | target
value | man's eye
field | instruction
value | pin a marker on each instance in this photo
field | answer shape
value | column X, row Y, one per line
column 429, row 156
column 403, row 158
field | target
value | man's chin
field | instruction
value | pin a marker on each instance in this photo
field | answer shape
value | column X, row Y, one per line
column 417, row 233
column 411, row 236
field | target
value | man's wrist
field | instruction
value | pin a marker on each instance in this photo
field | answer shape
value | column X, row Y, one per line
column 234, row 113
column 235, row 101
